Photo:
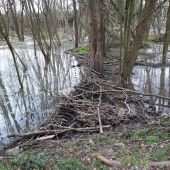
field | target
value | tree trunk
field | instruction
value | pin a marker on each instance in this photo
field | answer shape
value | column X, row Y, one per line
column 12, row 6
column 166, row 37
column 22, row 19
column 135, row 44
column 76, row 24
column 100, row 51
column 96, row 34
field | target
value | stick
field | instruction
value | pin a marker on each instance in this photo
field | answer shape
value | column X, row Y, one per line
column 98, row 111
column 121, row 89
column 55, row 132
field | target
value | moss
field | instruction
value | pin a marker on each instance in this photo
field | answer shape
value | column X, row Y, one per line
column 82, row 50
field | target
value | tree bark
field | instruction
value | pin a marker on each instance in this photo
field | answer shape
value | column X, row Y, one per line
column 135, row 44
column 76, row 24
column 12, row 6
column 100, row 51
column 96, row 34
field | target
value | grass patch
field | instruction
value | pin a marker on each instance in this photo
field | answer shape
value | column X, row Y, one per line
column 139, row 134
column 31, row 161
column 130, row 160
column 159, row 154
column 70, row 165
column 4, row 167
column 100, row 166
column 152, row 139
column 82, row 50
column 150, row 136
column 113, row 56
column 156, row 38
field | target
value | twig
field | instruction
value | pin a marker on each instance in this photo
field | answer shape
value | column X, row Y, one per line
column 125, row 102
column 98, row 111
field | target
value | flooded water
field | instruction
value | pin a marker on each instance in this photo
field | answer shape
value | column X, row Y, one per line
column 153, row 80
column 21, row 111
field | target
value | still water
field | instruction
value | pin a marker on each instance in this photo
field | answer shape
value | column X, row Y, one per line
column 21, row 111
column 153, row 80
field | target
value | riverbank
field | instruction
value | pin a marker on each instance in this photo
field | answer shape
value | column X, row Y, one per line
column 98, row 118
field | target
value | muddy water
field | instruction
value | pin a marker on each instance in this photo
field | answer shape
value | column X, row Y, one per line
column 22, row 111
column 153, row 80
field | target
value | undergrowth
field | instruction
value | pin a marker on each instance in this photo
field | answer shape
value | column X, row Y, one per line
column 82, row 50
column 131, row 148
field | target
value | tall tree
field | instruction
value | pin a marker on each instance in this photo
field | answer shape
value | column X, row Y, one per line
column 96, row 33
column 12, row 7
column 76, row 24
column 132, row 46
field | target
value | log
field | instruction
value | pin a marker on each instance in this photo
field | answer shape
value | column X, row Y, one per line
column 109, row 162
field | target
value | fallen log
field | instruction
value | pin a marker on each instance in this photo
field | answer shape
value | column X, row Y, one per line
column 59, row 131
column 109, row 162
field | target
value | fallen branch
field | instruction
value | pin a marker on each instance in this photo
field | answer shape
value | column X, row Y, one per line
column 59, row 131
column 109, row 162
column 98, row 112
column 121, row 89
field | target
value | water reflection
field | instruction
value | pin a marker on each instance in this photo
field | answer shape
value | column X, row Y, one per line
column 154, row 81
column 153, row 54
column 24, row 110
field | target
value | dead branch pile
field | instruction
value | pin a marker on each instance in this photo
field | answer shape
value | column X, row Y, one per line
column 96, row 105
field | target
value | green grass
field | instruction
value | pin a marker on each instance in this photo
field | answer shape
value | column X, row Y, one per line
column 155, row 38
column 82, row 50
column 70, row 165
column 159, row 154
column 152, row 140
column 31, row 161
column 113, row 56
column 100, row 166
column 132, row 148
column 4, row 167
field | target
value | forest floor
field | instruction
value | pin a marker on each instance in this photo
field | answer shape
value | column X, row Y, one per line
column 100, row 126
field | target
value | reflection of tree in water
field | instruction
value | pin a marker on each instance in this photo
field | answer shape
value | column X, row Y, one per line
column 7, row 109
column 162, row 89
column 41, row 83
column 169, row 87
column 154, row 81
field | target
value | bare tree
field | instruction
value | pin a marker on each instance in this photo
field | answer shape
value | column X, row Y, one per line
column 131, row 47
column 96, row 33
column 76, row 24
